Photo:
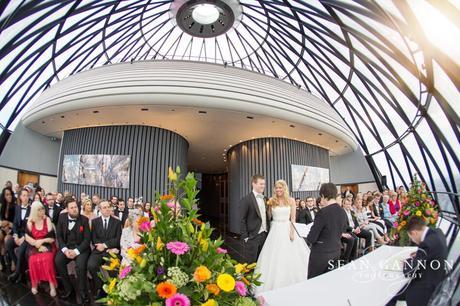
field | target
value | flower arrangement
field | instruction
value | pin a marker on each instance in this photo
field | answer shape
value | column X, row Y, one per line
column 177, row 263
column 418, row 202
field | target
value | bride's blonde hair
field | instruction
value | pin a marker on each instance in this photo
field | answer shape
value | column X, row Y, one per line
column 274, row 199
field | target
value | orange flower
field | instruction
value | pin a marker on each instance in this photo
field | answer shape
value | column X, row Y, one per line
column 166, row 290
column 197, row 222
column 142, row 220
column 201, row 274
column 166, row 197
column 139, row 249
column 245, row 280
column 213, row 288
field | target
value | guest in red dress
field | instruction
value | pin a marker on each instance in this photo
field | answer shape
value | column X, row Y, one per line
column 40, row 236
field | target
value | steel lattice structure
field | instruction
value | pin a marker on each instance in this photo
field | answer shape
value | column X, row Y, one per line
column 371, row 60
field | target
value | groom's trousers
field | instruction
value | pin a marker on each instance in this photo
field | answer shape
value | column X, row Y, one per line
column 252, row 248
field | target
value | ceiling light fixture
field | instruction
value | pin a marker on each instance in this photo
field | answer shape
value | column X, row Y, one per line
column 205, row 13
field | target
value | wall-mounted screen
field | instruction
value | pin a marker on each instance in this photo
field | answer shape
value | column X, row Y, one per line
column 306, row 178
column 97, row 170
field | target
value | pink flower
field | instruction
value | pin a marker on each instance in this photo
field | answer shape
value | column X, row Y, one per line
column 395, row 224
column 177, row 247
column 145, row 226
column 241, row 288
column 427, row 212
column 178, row 300
column 406, row 213
column 417, row 204
column 156, row 208
column 221, row 251
column 172, row 204
column 124, row 272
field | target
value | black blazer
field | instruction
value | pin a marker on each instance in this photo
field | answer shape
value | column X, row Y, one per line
column 251, row 220
column 80, row 229
column 11, row 209
column 304, row 215
column 432, row 252
column 111, row 237
column 19, row 226
column 330, row 222
column 56, row 212
column 124, row 216
column 355, row 221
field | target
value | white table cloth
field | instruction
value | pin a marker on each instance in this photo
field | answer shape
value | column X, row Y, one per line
column 363, row 282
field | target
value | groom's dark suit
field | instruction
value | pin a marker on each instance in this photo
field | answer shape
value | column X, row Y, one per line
column 324, row 237
column 251, row 222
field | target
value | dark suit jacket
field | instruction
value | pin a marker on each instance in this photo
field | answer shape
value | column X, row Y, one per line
column 330, row 222
column 111, row 236
column 19, row 226
column 56, row 212
column 304, row 215
column 355, row 222
column 81, row 227
column 124, row 216
column 251, row 220
column 432, row 252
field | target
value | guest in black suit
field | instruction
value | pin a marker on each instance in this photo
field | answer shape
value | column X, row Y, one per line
column 21, row 216
column 74, row 237
column 106, row 234
column 354, row 229
column 52, row 211
column 122, row 212
column 427, row 267
column 308, row 214
column 325, row 234
column 254, row 219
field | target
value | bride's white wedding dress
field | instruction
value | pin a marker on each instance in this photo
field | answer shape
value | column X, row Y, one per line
column 282, row 262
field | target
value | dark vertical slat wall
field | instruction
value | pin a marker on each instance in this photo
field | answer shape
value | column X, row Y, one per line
column 152, row 151
column 271, row 157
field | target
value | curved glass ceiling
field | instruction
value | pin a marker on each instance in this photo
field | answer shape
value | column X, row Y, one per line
column 391, row 69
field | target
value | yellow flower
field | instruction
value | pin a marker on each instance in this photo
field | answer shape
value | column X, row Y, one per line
column 201, row 274
column 403, row 223
column 213, row 288
column 191, row 229
column 112, row 285
column 239, row 268
column 433, row 221
column 143, row 263
column 204, row 245
column 172, row 176
column 160, row 245
column 226, row 282
column 138, row 259
column 210, row 302
column 131, row 253
column 252, row 266
column 418, row 213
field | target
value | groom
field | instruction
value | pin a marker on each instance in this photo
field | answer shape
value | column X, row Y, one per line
column 254, row 220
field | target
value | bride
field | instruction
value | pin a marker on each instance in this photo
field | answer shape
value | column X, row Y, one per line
column 283, row 260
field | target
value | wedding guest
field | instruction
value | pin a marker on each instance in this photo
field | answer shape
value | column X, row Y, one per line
column 427, row 267
column 8, row 184
column 297, row 204
column 7, row 211
column 148, row 210
column 308, row 214
column 355, row 229
column 114, row 201
column 52, row 210
column 59, row 200
column 129, row 239
column 96, row 199
column 105, row 235
column 121, row 212
column 21, row 216
column 394, row 203
column 38, row 198
column 16, row 190
column 87, row 211
column 326, row 232
column 74, row 237
column 40, row 236
column 362, row 217
column 347, row 192
column 387, row 215
column 83, row 197
column 373, row 215
column 130, row 205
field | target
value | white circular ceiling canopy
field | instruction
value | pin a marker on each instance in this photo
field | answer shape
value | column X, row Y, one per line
column 205, row 13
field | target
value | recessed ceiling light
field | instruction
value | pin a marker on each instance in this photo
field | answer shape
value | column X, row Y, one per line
column 336, row 140
column 250, row 117
column 292, row 126
column 96, row 112
column 173, row 110
column 205, row 13
column 320, row 134
column 144, row 109
column 43, row 122
column 62, row 116
column 202, row 112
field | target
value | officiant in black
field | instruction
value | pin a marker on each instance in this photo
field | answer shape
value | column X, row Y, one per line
column 74, row 237
column 106, row 234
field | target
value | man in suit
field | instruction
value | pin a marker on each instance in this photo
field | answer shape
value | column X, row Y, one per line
column 52, row 210
column 324, row 236
column 427, row 267
column 254, row 219
column 21, row 216
column 106, row 234
column 121, row 212
column 74, row 237
column 348, row 192
column 354, row 229
column 307, row 215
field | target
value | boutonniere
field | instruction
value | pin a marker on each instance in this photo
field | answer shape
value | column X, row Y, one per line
column 81, row 228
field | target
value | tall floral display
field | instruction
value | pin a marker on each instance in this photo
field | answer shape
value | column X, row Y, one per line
column 418, row 202
column 177, row 263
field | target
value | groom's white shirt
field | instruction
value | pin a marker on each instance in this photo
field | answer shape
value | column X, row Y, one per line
column 261, row 204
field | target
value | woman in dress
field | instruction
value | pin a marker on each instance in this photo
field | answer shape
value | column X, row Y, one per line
column 40, row 236
column 129, row 239
column 7, row 211
column 283, row 260
column 87, row 210
column 363, row 220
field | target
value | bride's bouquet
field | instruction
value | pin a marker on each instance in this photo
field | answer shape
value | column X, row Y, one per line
column 177, row 262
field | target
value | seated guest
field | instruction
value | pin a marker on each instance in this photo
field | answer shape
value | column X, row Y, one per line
column 362, row 217
column 325, row 234
column 114, row 202
column 394, row 203
column 19, row 227
column 354, row 229
column 96, row 199
column 148, row 210
column 130, row 205
column 129, row 239
column 40, row 236
column 87, row 210
column 307, row 214
column 427, row 267
column 7, row 211
column 387, row 215
column 121, row 212
column 59, row 200
column 105, row 235
column 374, row 217
column 74, row 237
column 52, row 210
